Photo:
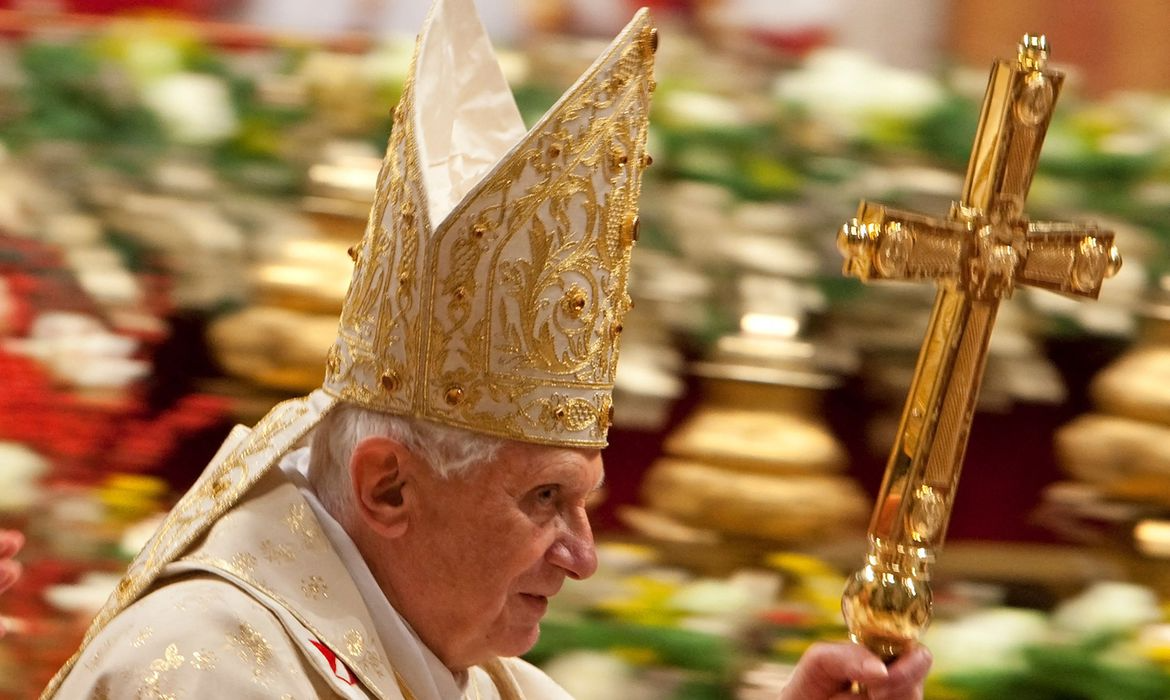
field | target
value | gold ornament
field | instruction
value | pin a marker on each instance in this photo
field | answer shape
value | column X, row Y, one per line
column 978, row 256
column 500, row 310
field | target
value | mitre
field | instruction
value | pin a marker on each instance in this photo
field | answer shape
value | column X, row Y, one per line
column 490, row 285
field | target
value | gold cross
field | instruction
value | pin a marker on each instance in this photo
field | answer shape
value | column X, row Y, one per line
column 978, row 256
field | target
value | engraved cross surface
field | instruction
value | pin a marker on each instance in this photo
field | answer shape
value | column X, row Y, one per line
column 978, row 255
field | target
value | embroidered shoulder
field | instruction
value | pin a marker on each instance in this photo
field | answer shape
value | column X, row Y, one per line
column 193, row 637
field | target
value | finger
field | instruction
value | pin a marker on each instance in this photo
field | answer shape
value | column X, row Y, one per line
column 912, row 666
column 906, row 677
column 10, row 543
column 827, row 670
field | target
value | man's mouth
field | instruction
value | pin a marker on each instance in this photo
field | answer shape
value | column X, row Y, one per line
column 537, row 601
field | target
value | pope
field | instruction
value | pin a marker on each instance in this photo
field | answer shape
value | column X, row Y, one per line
column 399, row 532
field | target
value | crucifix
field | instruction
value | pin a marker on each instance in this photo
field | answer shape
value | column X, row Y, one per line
column 977, row 255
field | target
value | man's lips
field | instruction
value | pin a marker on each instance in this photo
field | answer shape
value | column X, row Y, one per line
column 538, row 601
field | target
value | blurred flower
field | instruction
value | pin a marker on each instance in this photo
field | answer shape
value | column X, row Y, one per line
column 195, row 108
column 992, row 639
column 20, row 472
column 594, row 675
column 79, row 351
column 811, row 581
column 851, row 95
column 1106, row 608
column 149, row 49
column 85, row 597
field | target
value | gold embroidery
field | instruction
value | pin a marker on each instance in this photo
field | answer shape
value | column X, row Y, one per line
column 170, row 661
column 362, row 655
column 243, row 564
column 368, row 665
column 219, row 486
column 302, row 526
column 314, row 588
column 203, row 660
column 277, row 553
column 355, row 644
column 96, row 657
column 251, row 646
column 143, row 637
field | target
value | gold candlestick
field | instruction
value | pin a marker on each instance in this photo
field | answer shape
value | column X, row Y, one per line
column 977, row 256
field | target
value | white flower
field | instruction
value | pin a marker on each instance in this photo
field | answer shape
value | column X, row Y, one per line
column 85, row 597
column 79, row 351
column 1108, row 607
column 592, row 675
column 989, row 639
column 20, row 472
column 845, row 89
column 195, row 108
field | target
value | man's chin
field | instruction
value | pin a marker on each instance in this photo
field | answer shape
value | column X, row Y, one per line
column 519, row 641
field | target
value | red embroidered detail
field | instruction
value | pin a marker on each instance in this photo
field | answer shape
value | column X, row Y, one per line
column 335, row 664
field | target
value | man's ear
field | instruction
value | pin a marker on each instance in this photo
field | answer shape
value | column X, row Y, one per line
column 379, row 468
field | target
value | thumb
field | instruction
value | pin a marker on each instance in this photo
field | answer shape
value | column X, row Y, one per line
column 826, row 669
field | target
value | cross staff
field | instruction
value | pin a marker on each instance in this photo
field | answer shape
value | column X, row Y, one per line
column 978, row 255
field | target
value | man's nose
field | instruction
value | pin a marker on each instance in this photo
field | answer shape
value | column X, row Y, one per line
column 573, row 550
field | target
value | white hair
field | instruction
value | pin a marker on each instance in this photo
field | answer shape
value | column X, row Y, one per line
column 445, row 449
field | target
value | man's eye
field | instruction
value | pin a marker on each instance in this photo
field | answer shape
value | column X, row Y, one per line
column 546, row 495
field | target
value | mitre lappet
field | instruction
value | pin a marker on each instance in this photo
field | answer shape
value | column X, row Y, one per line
column 489, row 287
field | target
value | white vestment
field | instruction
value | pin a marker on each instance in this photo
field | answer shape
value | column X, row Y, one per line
column 276, row 602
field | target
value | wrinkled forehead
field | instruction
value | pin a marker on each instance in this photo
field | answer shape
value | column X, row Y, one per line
column 523, row 459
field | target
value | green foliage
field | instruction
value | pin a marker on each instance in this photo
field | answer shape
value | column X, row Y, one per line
column 947, row 132
column 66, row 96
column 1066, row 672
column 678, row 648
column 749, row 161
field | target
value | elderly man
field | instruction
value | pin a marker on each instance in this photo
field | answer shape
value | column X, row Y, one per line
column 398, row 533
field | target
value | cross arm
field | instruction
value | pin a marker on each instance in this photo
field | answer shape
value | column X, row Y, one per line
column 1072, row 259
column 982, row 258
column 884, row 243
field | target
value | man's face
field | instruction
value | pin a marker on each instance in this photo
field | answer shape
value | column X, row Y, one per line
column 484, row 551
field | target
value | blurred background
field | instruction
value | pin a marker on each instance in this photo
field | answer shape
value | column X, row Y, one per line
column 180, row 180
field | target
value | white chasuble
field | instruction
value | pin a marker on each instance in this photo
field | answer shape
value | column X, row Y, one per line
column 264, row 606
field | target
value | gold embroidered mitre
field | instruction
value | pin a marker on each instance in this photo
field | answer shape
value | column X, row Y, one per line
column 490, row 284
